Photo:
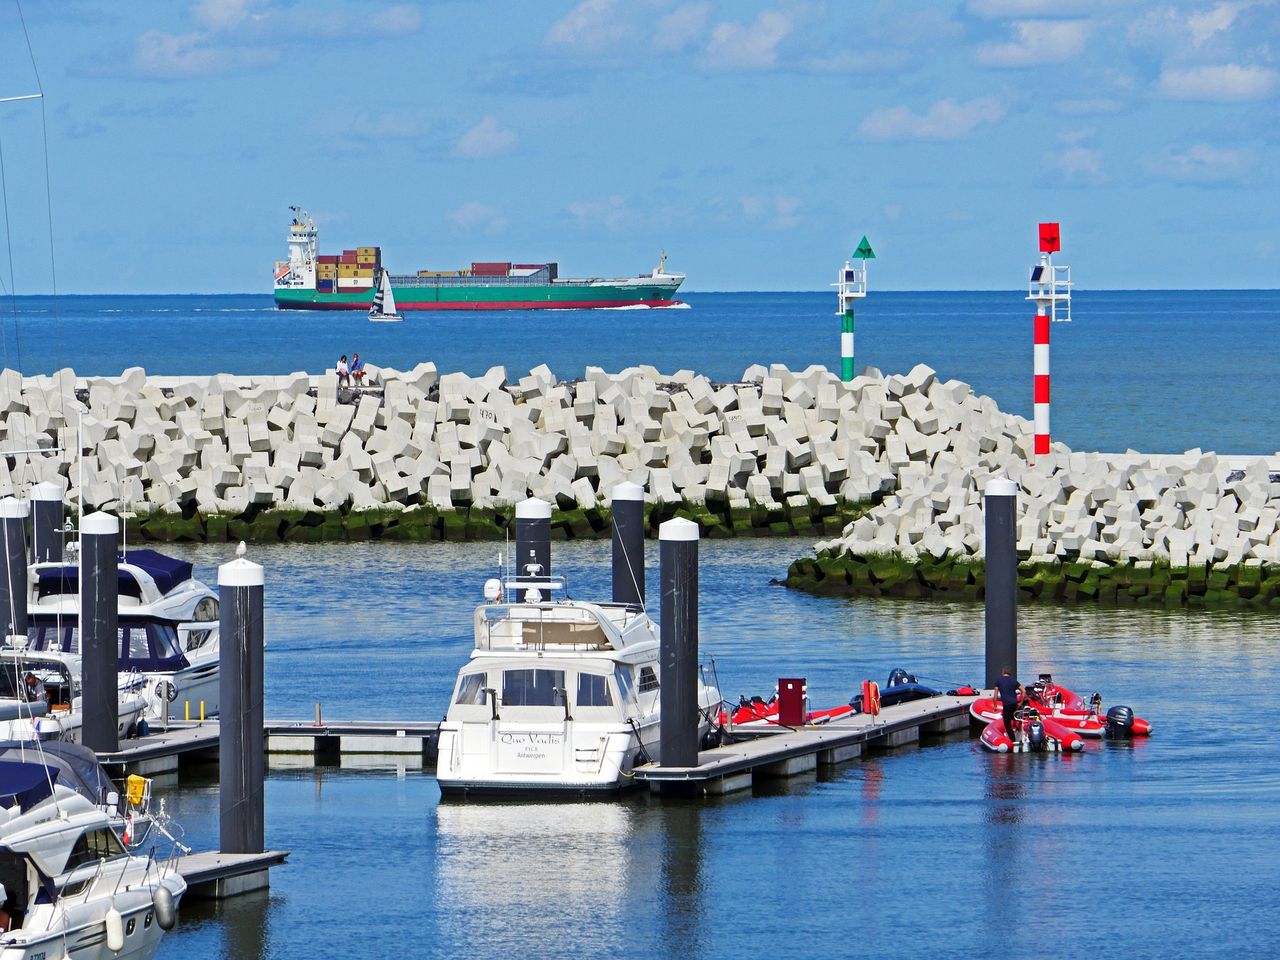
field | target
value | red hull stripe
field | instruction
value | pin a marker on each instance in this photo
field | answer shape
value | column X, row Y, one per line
column 485, row 305
column 1041, row 329
column 1041, row 389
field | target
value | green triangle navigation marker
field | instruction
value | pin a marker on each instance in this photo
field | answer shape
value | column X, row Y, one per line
column 864, row 251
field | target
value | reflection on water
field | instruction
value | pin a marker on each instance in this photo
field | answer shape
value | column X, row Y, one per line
column 910, row 850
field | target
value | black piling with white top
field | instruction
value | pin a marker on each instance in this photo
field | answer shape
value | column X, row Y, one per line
column 1001, row 508
column 533, row 541
column 13, row 530
column 627, row 504
column 678, row 653
column 99, row 631
column 241, row 753
column 46, row 523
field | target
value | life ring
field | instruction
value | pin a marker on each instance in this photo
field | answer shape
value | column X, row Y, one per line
column 871, row 697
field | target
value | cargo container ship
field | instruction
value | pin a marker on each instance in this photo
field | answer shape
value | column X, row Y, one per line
column 309, row 280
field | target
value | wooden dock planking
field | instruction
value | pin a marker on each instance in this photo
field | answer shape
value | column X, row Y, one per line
column 779, row 751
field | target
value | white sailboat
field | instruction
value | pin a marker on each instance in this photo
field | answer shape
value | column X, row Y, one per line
column 383, row 309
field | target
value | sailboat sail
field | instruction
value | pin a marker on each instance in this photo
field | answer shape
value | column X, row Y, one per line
column 388, row 298
column 379, row 296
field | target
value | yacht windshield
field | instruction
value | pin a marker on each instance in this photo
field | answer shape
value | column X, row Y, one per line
column 144, row 644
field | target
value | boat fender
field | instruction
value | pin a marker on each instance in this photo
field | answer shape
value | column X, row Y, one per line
column 114, row 923
column 166, row 912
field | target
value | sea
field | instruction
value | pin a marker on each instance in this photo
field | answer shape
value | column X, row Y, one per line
column 1146, row 849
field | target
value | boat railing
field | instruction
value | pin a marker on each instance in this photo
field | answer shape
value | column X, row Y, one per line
column 538, row 626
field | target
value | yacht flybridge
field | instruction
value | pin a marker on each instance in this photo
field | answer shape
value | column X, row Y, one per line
column 558, row 695
column 168, row 625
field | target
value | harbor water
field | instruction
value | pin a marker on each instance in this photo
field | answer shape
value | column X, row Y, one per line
column 1126, row 850
column 1148, row 849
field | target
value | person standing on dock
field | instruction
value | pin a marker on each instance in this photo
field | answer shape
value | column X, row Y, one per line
column 1009, row 690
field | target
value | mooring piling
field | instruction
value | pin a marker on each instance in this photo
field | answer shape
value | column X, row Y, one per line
column 13, row 605
column 241, row 758
column 533, row 540
column 678, row 641
column 627, row 505
column 1000, row 506
column 99, row 631
column 46, row 523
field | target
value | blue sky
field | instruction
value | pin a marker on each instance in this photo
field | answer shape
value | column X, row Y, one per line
column 754, row 141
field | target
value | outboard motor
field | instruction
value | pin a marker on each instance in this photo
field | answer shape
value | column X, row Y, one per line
column 1035, row 735
column 898, row 677
column 1120, row 723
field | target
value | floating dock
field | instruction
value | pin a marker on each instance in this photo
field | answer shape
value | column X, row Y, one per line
column 215, row 876
column 776, row 751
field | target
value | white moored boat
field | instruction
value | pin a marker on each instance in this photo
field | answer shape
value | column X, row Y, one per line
column 168, row 624
column 70, row 889
column 558, row 695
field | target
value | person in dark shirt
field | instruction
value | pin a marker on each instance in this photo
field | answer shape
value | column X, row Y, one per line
column 1009, row 690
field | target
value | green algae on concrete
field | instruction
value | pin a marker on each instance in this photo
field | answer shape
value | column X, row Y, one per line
column 425, row 523
column 1246, row 585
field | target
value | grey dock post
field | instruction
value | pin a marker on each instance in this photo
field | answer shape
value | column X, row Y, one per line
column 46, row 523
column 533, row 540
column 241, row 754
column 627, row 504
column 13, row 605
column 1001, row 508
column 99, row 631
column 678, row 725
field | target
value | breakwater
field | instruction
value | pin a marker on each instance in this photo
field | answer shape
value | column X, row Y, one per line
column 420, row 455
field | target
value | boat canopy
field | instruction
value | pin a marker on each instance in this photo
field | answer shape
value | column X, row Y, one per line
column 145, row 643
column 72, row 765
column 166, row 572
column 25, row 784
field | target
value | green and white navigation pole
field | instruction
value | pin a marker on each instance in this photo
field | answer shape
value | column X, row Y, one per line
column 852, row 286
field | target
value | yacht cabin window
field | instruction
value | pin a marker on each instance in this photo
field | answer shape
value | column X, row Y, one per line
column 471, row 690
column 622, row 675
column 593, row 691
column 531, row 688
column 648, row 680
column 95, row 845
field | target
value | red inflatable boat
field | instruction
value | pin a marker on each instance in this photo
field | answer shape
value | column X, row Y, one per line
column 758, row 712
column 1068, row 709
column 1032, row 732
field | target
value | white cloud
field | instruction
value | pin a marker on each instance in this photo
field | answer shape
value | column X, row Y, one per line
column 683, row 27
column 221, row 14
column 612, row 213
column 1201, row 163
column 945, row 120
column 592, row 25
column 488, row 138
column 474, row 215
column 1079, row 164
column 1222, row 83
column 1035, row 43
column 779, row 212
column 169, row 56
column 1219, row 18
column 734, row 46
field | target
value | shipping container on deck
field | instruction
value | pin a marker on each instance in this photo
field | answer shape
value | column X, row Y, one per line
column 324, row 286
column 491, row 269
column 367, row 251
column 368, row 259
column 355, row 283
column 327, row 258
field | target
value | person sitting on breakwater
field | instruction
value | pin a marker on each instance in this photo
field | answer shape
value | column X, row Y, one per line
column 1008, row 690
column 344, row 375
column 357, row 369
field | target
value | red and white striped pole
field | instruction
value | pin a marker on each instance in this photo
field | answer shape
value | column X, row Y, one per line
column 1040, row 378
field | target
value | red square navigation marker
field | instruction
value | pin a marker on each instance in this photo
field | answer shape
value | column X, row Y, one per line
column 1049, row 240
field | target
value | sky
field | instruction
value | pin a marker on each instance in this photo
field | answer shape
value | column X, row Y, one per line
column 754, row 142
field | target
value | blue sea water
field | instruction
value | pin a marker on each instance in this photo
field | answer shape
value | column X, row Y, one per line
column 1158, row 371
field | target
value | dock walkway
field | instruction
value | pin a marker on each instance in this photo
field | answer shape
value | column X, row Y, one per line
column 214, row 875
column 775, row 751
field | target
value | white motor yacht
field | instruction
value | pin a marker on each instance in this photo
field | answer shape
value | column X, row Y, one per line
column 70, row 889
column 40, row 698
column 558, row 695
column 168, row 625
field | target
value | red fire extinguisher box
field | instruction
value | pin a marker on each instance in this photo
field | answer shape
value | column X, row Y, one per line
column 791, row 694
